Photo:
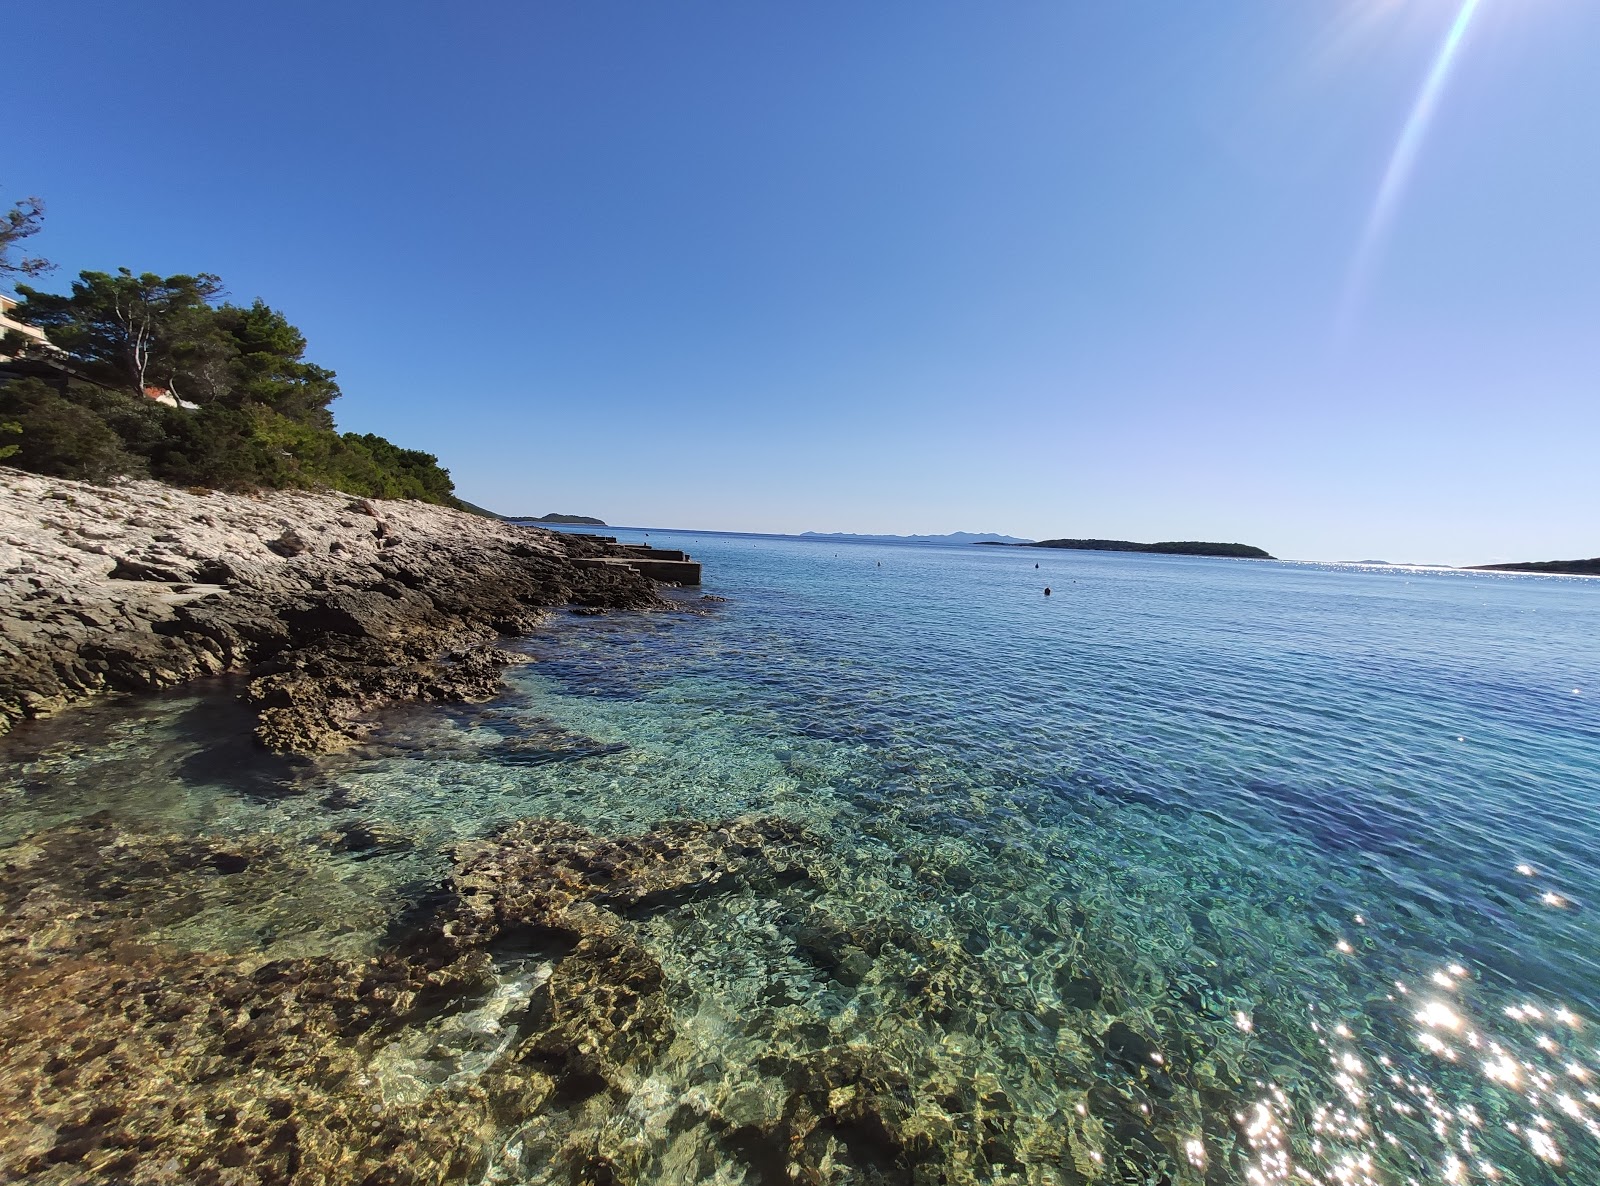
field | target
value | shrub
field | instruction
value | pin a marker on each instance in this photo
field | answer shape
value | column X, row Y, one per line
column 60, row 438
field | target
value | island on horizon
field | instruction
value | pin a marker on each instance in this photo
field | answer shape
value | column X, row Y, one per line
column 575, row 520
column 1169, row 548
column 1576, row 568
column 954, row 537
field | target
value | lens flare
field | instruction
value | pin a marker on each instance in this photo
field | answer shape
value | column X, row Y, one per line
column 1401, row 162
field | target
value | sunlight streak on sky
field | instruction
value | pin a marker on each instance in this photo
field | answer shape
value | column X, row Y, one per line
column 1401, row 162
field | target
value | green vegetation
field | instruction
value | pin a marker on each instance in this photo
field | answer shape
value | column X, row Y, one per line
column 242, row 409
column 553, row 517
column 22, row 221
column 1176, row 548
column 1581, row 568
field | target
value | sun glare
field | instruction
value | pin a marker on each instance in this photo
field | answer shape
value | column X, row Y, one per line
column 1402, row 162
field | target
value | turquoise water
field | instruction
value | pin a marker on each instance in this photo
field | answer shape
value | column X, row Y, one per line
column 1234, row 871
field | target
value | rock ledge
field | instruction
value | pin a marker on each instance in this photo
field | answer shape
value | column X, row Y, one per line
column 335, row 605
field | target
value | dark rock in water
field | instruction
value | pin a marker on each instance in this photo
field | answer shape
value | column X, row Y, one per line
column 365, row 842
column 1342, row 818
column 550, row 745
column 1079, row 991
column 833, row 948
column 1129, row 1048
column 1139, row 1056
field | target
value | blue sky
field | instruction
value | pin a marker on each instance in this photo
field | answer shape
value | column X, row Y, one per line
column 1038, row 268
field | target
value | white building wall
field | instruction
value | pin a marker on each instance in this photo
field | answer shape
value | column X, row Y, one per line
column 7, row 322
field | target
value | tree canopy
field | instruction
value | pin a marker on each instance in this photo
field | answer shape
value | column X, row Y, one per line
column 22, row 221
column 172, row 333
column 240, row 405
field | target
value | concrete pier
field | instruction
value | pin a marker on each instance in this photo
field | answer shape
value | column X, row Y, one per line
column 659, row 564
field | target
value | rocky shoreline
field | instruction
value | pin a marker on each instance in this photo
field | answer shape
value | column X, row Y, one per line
column 335, row 606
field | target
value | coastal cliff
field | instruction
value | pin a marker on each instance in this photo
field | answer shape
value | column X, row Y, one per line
column 334, row 605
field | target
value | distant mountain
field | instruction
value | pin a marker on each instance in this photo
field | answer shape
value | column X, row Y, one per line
column 1179, row 548
column 955, row 537
column 583, row 520
column 1580, row 568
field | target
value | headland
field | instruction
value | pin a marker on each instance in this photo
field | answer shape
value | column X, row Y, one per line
column 1171, row 548
column 553, row 517
column 1577, row 568
column 333, row 605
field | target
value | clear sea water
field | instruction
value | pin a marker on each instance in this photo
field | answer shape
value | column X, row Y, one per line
column 1325, row 835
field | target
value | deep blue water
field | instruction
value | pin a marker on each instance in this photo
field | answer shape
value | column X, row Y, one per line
column 1325, row 833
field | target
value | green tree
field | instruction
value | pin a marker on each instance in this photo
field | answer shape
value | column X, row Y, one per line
column 269, row 367
column 255, row 411
column 137, row 332
column 125, row 330
column 60, row 438
column 22, row 221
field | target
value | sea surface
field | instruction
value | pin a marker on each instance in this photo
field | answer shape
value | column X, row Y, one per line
column 1256, row 872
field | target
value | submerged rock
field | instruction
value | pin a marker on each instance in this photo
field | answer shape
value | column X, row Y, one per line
column 562, row 1007
column 130, row 1057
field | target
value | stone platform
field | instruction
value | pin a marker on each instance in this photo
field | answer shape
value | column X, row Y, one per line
column 668, row 565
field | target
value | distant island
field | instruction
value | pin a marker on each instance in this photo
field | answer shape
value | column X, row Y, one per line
column 1579, row 568
column 955, row 537
column 581, row 520
column 1394, row 563
column 1179, row 548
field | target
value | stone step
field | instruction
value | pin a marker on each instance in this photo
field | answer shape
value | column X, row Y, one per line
column 675, row 572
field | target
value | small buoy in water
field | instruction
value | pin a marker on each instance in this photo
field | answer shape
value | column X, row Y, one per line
column 1036, row 564
column 1047, row 590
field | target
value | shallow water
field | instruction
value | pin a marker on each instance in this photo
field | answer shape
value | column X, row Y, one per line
column 1233, row 871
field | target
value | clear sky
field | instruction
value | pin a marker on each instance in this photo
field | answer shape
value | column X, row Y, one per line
column 1069, row 268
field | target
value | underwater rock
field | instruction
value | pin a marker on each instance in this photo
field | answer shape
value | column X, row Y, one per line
column 526, row 1021
column 548, row 874
column 366, row 840
column 133, row 1058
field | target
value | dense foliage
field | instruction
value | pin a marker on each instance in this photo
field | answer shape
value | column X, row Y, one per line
column 239, row 406
column 22, row 221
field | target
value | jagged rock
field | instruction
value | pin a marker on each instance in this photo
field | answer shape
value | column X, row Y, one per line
column 289, row 544
column 130, row 569
column 404, row 602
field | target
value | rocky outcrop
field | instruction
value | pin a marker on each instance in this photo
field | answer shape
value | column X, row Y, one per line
column 336, row 605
